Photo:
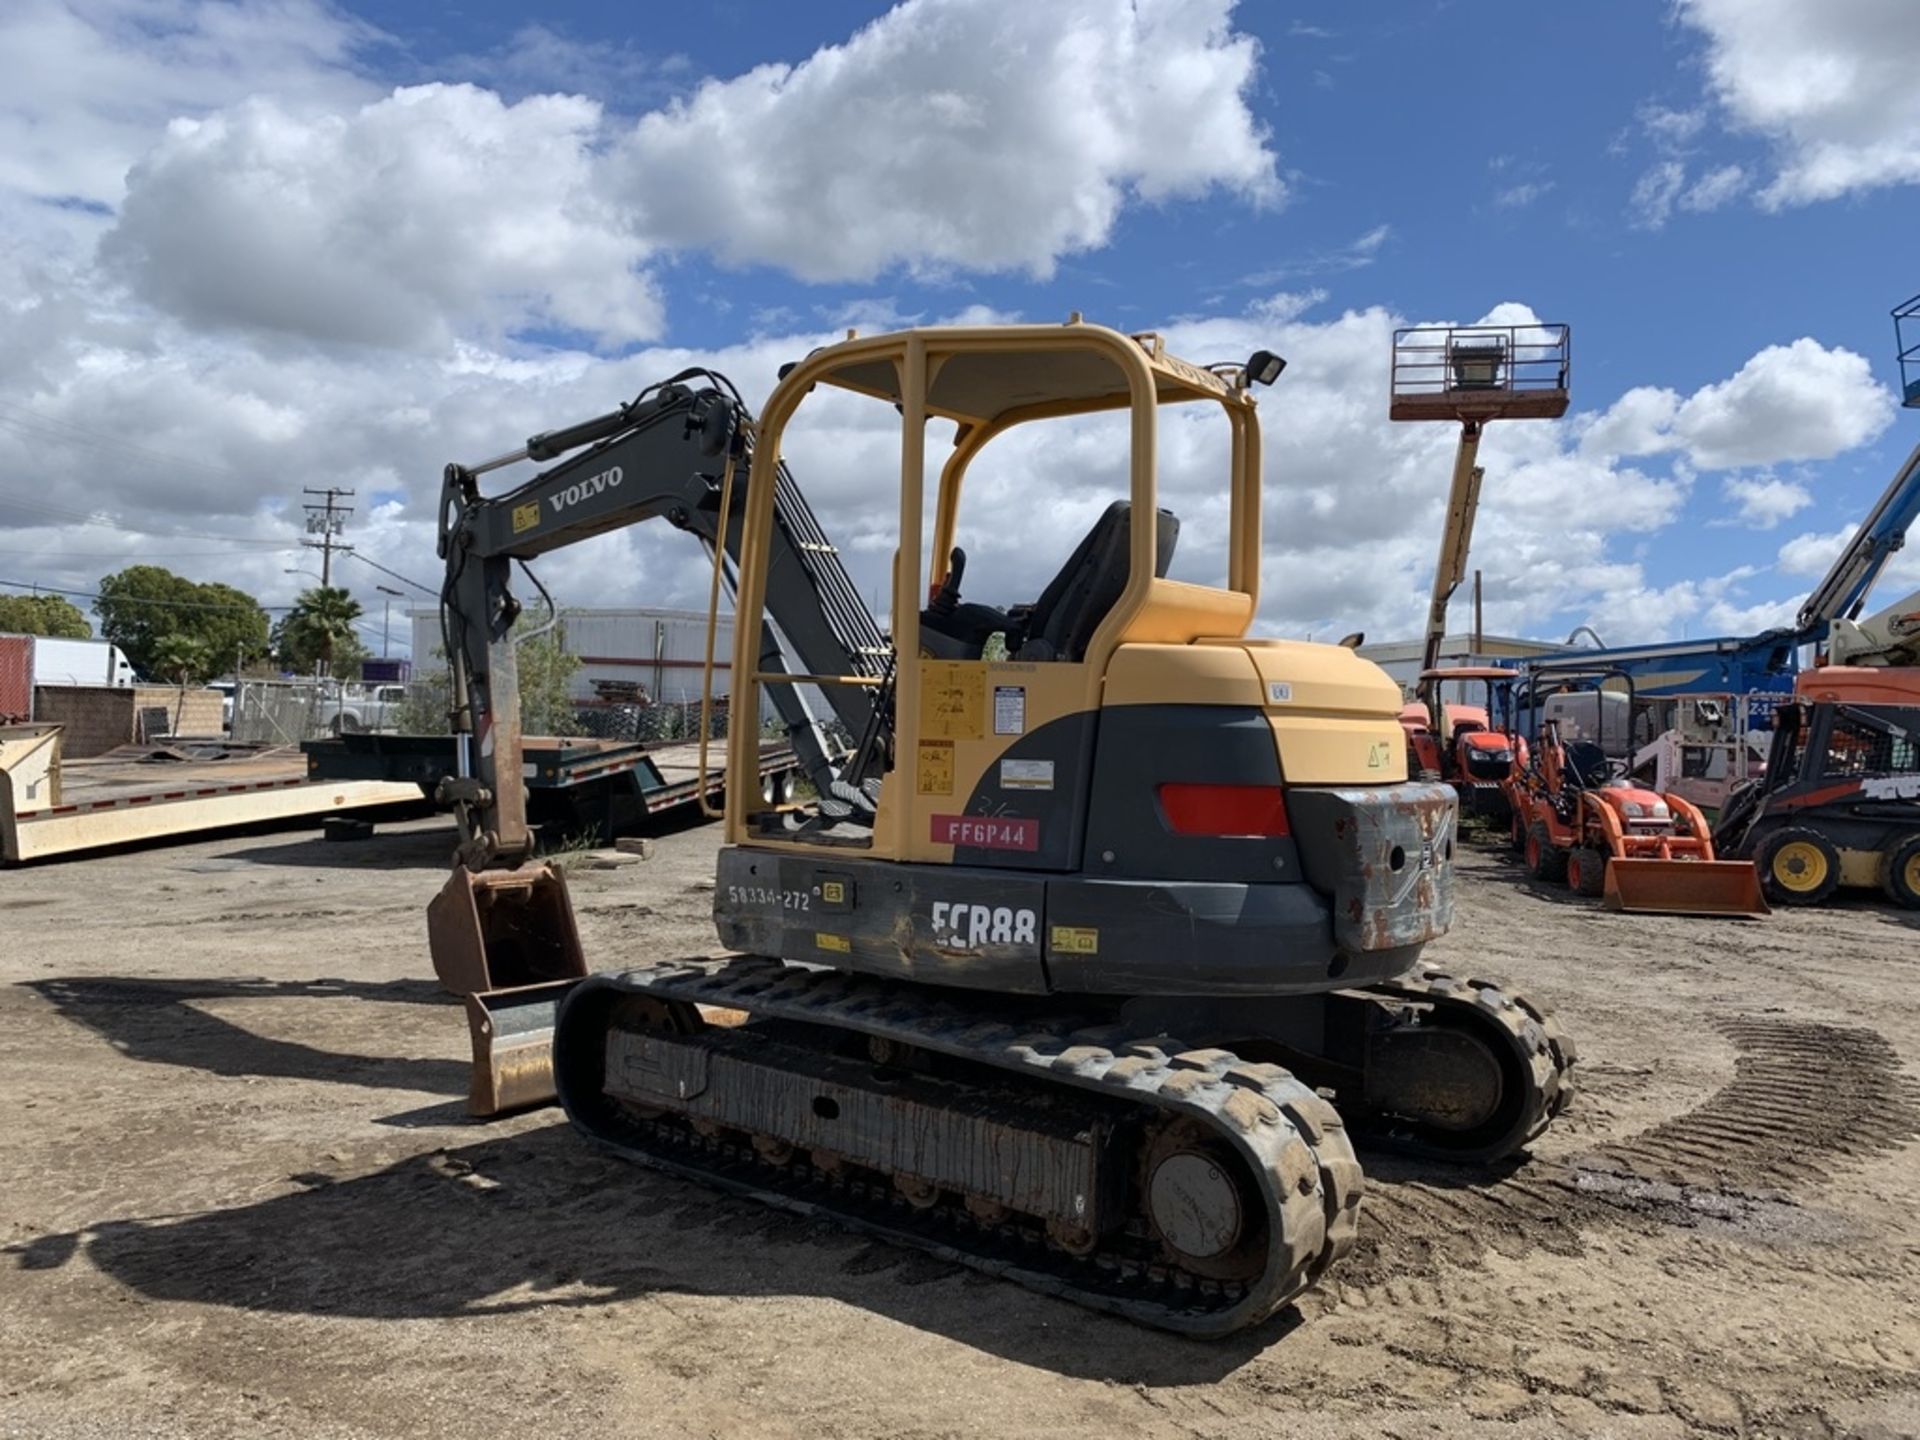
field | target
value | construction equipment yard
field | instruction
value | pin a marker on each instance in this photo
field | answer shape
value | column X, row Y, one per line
column 242, row 1196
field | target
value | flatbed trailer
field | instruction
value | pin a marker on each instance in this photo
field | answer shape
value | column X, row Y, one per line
column 51, row 808
column 575, row 786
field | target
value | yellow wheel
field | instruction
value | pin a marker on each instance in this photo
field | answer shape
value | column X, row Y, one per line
column 1902, row 882
column 1798, row 866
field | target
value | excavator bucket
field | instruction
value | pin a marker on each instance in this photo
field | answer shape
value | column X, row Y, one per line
column 1685, row 887
column 506, row 940
column 512, row 1032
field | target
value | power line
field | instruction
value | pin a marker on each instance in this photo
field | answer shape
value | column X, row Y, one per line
column 423, row 589
column 29, row 421
column 81, row 517
column 143, row 556
column 140, row 599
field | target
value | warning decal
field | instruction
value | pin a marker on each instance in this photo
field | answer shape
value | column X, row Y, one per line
column 953, row 699
column 934, row 773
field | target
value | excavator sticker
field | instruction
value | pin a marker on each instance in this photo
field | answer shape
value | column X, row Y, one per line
column 526, row 517
column 968, row 927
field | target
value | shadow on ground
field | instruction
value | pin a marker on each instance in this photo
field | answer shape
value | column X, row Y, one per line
column 423, row 847
column 541, row 1220
column 158, row 1021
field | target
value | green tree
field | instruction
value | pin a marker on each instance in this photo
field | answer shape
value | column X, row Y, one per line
column 142, row 606
column 319, row 630
column 546, row 700
column 547, row 669
column 49, row 615
column 183, row 659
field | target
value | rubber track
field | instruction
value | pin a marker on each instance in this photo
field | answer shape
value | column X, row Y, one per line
column 1289, row 1136
column 1535, row 1042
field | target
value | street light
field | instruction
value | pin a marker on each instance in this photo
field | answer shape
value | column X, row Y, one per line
column 386, row 608
column 296, row 570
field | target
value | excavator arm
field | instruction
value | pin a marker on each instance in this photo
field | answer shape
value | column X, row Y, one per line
column 668, row 455
column 501, row 931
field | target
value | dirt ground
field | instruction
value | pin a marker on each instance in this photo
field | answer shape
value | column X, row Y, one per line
column 238, row 1196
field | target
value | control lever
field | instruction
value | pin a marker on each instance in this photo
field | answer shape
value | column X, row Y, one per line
column 947, row 597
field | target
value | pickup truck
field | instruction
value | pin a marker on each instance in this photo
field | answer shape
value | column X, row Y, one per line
column 363, row 709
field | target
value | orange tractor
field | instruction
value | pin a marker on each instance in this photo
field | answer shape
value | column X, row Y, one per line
column 1577, row 818
column 1459, row 743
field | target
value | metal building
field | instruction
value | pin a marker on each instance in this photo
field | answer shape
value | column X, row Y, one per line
column 661, row 650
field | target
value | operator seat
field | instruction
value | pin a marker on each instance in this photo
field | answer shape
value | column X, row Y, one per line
column 1062, row 621
column 1059, row 624
column 1587, row 764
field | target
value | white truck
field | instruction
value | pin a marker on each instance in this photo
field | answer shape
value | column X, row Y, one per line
column 75, row 662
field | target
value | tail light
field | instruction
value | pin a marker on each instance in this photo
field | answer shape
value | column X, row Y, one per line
column 1224, row 810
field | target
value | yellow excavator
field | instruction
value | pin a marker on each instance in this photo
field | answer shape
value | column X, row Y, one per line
column 1097, row 910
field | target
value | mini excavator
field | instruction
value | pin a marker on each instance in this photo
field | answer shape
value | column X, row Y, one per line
column 1098, row 909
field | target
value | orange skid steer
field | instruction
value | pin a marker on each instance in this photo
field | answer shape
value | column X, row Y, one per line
column 1642, row 850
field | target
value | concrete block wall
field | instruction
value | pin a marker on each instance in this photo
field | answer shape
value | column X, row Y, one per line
column 98, row 718
column 191, row 712
column 94, row 718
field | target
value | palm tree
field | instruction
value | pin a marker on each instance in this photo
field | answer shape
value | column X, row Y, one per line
column 321, row 618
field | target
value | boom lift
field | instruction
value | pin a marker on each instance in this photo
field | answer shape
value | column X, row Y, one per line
column 964, row 965
column 1472, row 375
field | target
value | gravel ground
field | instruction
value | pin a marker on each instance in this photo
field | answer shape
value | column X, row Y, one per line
column 239, row 1196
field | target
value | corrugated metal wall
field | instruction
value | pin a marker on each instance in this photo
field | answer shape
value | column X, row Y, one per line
column 16, row 676
column 661, row 649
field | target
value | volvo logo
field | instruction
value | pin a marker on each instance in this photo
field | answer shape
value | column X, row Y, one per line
column 585, row 489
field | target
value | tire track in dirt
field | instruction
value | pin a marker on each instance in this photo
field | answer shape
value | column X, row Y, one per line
column 1806, row 1101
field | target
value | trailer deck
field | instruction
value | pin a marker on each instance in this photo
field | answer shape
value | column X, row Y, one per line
column 50, row 807
column 604, row 787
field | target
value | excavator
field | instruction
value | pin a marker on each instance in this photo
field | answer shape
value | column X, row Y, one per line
column 1099, row 906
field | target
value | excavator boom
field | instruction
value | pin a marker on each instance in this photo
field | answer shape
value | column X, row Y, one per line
column 501, row 931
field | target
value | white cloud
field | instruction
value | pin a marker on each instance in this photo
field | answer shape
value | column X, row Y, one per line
column 1357, row 254
column 973, row 134
column 91, row 83
column 437, row 210
column 1828, row 82
column 1814, row 553
column 1518, row 197
column 1669, row 129
column 1789, row 402
column 1654, row 194
column 988, row 135
column 1764, row 501
column 1635, row 424
column 1715, row 189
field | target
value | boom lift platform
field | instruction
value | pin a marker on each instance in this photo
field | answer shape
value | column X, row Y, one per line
column 963, row 965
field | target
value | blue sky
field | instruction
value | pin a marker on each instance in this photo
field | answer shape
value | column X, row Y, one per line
column 1370, row 132
column 219, row 229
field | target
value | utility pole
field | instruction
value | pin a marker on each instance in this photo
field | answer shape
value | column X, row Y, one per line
column 387, row 597
column 327, row 519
